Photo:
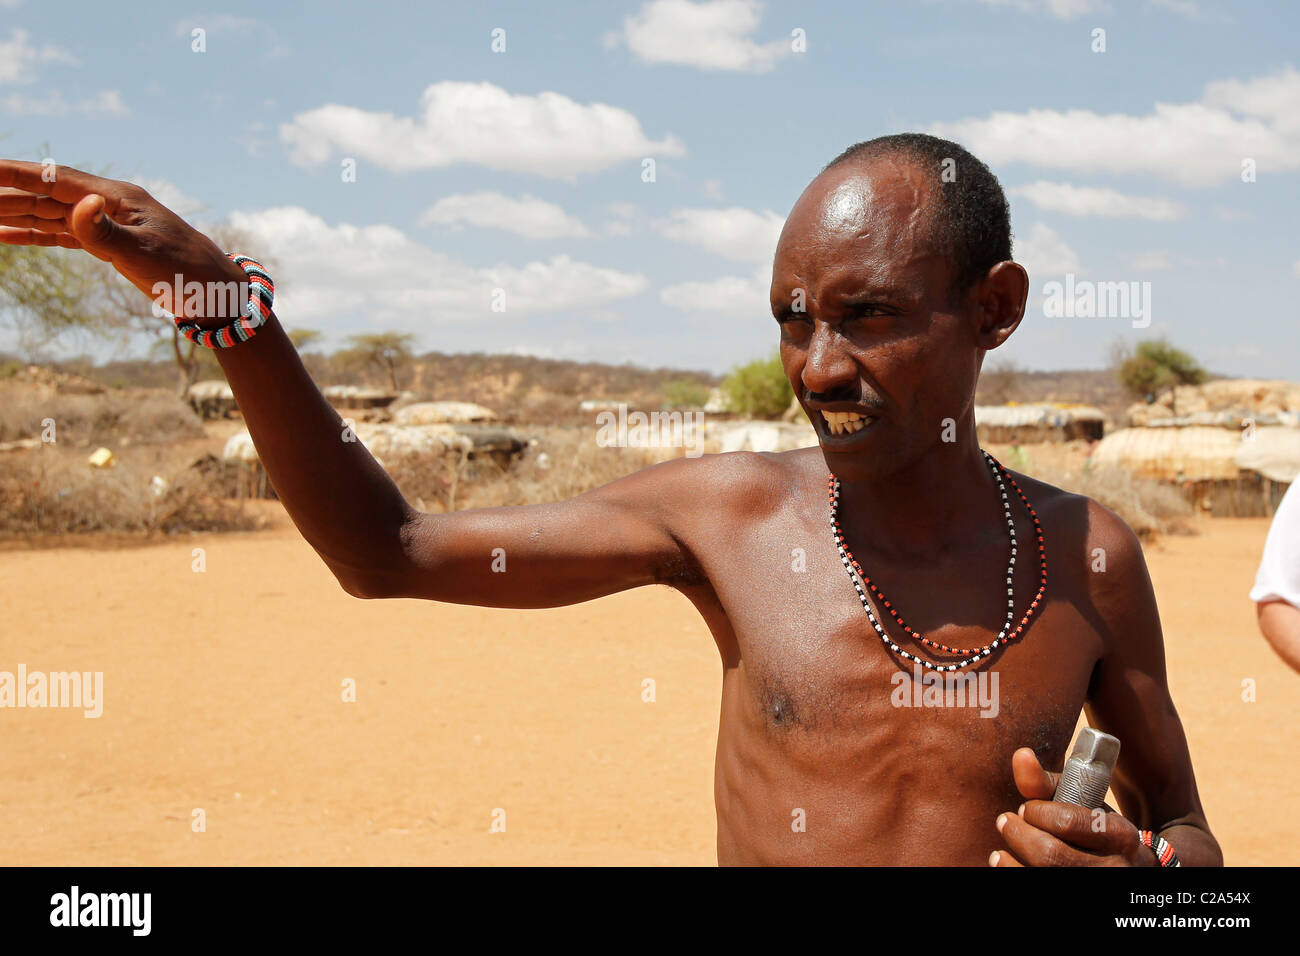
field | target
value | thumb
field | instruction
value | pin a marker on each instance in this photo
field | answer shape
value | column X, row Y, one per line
column 93, row 227
column 1033, row 782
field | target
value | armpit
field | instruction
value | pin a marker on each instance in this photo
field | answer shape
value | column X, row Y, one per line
column 679, row 570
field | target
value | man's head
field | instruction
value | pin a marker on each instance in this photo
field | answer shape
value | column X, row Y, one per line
column 891, row 280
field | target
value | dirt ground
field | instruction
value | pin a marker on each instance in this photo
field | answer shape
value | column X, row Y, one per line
column 223, row 692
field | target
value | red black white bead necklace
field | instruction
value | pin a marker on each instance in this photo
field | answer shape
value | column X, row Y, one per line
column 970, row 654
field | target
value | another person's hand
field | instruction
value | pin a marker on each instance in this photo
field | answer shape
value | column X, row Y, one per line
column 1045, row 833
column 115, row 221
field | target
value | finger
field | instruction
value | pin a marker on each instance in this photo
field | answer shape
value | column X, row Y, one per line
column 1033, row 782
column 34, row 237
column 94, row 227
column 19, row 202
column 34, row 222
column 1036, row 847
column 1003, row 858
column 1097, row 830
column 62, row 182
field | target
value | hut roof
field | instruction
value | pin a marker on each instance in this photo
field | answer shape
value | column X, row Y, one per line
column 1196, row 453
column 1040, row 414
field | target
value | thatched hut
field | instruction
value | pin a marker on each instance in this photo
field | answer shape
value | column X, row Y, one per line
column 1027, row 424
column 1225, row 471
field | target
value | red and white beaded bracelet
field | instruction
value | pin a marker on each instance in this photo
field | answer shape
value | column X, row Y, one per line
column 1160, row 846
column 261, row 296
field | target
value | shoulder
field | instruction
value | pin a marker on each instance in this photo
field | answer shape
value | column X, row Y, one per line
column 735, row 484
column 1098, row 565
column 1091, row 544
column 1075, row 517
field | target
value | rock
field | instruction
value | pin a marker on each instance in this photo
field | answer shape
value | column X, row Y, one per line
column 358, row 396
column 101, row 458
column 439, row 413
column 239, row 447
column 211, row 399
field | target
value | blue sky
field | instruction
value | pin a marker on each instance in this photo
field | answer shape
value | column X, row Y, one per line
column 522, row 170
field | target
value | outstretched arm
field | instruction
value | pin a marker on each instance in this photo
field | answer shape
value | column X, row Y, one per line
column 343, row 502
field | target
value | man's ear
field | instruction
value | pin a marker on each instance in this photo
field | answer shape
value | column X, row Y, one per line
column 999, row 303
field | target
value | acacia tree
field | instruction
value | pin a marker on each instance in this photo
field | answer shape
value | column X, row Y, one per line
column 44, row 295
column 387, row 351
column 1156, row 365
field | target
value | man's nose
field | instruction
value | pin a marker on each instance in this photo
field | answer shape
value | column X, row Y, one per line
column 829, row 368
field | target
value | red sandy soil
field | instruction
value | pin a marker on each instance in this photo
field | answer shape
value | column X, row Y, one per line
column 223, row 692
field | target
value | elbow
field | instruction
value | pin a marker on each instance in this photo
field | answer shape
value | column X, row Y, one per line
column 369, row 585
column 355, row 587
column 388, row 572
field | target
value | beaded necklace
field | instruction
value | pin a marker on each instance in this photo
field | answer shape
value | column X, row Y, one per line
column 969, row 654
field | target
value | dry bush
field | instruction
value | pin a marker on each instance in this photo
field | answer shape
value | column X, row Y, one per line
column 48, row 492
column 1149, row 507
column 573, row 464
column 141, row 416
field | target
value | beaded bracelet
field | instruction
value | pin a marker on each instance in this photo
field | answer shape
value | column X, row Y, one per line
column 261, row 294
column 1160, row 846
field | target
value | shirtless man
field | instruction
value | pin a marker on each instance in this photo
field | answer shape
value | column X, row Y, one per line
column 891, row 281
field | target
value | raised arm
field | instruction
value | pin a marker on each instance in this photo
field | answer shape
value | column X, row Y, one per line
column 343, row 502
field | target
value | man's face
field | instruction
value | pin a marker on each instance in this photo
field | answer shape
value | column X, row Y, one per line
column 878, row 335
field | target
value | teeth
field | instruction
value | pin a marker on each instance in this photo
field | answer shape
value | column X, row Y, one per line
column 842, row 422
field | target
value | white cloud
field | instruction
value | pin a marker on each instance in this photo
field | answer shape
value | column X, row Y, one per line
column 337, row 273
column 19, row 58
column 215, row 23
column 480, row 123
column 739, row 296
column 526, row 216
column 171, row 196
column 1156, row 260
column 1061, row 9
column 1295, row 268
column 736, row 233
column 1187, row 8
column 267, row 43
column 624, row 222
column 1045, row 254
column 714, row 35
column 105, row 103
column 1197, row 144
column 1094, row 201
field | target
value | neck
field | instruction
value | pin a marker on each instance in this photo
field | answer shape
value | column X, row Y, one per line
column 944, row 495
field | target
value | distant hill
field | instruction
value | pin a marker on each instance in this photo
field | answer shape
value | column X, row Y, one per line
column 525, row 387
column 518, row 387
column 1099, row 387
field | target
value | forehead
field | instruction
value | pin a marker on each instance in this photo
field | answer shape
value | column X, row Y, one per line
column 864, row 219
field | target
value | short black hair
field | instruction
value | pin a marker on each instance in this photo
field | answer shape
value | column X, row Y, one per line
column 971, row 221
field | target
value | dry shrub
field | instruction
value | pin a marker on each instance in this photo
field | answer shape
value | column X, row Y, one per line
column 1149, row 507
column 49, row 492
column 573, row 464
column 141, row 416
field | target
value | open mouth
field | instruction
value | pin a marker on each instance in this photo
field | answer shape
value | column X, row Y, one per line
column 844, row 424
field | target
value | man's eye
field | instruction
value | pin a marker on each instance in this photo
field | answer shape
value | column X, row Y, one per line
column 867, row 311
